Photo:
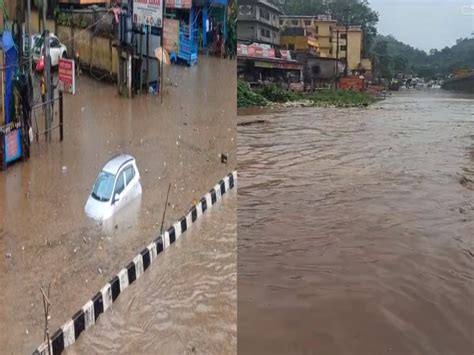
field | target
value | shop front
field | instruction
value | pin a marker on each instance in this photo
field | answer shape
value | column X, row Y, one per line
column 181, row 37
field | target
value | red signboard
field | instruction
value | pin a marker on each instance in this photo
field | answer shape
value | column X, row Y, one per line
column 67, row 76
column 178, row 4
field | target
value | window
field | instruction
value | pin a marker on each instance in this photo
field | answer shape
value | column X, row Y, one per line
column 103, row 186
column 54, row 43
column 343, row 35
column 264, row 14
column 316, row 70
column 307, row 22
column 281, row 22
column 265, row 33
column 294, row 22
column 120, row 184
column 129, row 174
column 316, row 29
column 291, row 47
column 343, row 48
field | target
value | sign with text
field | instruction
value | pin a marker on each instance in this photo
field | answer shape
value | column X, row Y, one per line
column 178, row 4
column 171, row 35
column 148, row 12
column 67, row 76
column 12, row 145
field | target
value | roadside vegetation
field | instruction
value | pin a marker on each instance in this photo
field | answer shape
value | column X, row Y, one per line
column 273, row 94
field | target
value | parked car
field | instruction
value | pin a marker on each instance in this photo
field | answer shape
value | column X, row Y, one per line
column 57, row 50
column 33, row 39
column 117, row 184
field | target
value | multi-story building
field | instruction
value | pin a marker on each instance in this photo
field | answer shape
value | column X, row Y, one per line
column 318, row 27
column 350, row 45
column 298, row 39
column 328, row 34
column 258, row 21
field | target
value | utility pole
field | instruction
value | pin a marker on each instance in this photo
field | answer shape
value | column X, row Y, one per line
column 337, row 59
column 347, row 40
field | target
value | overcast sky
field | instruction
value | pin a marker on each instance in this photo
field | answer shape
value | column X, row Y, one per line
column 425, row 24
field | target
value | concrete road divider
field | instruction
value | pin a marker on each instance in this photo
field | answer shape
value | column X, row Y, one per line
column 88, row 315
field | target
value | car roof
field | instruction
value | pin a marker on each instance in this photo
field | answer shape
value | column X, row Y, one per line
column 114, row 165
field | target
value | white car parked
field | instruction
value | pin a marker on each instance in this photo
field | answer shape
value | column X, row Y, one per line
column 56, row 49
column 117, row 184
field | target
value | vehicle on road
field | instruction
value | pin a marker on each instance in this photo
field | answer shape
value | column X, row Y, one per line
column 57, row 50
column 117, row 184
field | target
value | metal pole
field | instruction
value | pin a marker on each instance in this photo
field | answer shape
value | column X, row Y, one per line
column 164, row 211
column 28, row 30
column 45, row 5
column 61, row 117
column 47, row 77
column 161, row 81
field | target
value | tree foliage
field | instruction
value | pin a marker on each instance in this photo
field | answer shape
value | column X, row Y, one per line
column 409, row 60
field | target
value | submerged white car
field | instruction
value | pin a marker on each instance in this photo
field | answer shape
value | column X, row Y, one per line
column 117, row 184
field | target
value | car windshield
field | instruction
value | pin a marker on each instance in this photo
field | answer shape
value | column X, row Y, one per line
column 103, row 186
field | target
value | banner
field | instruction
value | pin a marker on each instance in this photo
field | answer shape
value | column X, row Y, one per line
column 148, row 12
column 171, row 35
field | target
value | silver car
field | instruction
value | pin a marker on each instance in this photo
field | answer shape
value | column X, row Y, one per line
column 117, row 184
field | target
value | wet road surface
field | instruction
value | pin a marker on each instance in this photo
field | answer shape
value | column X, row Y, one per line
column 185, row 304
column 42, row 222
column 356, row 229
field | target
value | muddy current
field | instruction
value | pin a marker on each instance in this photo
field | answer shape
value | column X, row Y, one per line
column 356, row 228
column 186, row 303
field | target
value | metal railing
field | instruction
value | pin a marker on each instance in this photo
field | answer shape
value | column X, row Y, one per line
column 60, row 125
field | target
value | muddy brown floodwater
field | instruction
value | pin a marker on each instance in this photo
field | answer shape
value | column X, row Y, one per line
column 44, row 233
column 356, row 229
column 185, row 304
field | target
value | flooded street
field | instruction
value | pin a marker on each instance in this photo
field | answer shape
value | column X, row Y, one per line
column 355, row 229
column 185, row 304
column 44, row 233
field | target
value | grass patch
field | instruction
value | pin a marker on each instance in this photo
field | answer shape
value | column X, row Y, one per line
column 247, row 97
column 341, row 98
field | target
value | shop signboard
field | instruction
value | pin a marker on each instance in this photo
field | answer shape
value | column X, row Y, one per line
column 12, row 145
column 171, row 35
column 148, row 12
column 67, row 76
column 178, row 4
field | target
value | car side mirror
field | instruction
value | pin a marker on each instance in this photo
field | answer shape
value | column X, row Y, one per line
column 116, row 198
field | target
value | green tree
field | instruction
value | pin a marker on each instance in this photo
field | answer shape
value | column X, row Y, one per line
column 382, row 61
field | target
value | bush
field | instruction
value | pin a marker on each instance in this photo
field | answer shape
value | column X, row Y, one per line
column 341, row 98
column 247, row 97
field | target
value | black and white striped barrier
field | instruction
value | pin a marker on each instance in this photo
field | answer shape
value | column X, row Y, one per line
column 88, row 315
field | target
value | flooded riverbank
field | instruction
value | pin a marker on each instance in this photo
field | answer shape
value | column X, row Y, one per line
column 355, row 228
column 186, row 303
column 44, row 233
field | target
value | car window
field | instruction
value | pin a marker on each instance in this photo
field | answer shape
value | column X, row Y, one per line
column 54, row 43
column 129, row 173
column 103, row 186
column 120, row 184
